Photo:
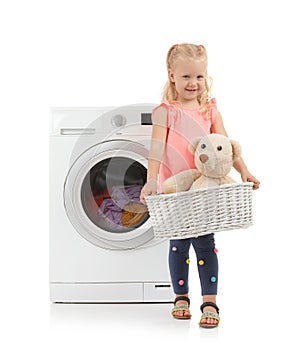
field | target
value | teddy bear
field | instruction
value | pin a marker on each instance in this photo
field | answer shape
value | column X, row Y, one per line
column 214, row 155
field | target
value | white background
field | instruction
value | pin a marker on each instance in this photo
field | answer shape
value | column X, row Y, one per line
column 97, row 53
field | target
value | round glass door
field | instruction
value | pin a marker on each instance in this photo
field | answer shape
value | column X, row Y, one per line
column 110, row 194
column 101, row 195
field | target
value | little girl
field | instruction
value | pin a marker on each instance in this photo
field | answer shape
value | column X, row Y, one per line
column 187, row 112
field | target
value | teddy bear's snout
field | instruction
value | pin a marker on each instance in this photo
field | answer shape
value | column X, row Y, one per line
column 203, row 158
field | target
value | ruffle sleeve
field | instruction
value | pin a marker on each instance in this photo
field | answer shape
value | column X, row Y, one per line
column 171, row 112
column 163, row 104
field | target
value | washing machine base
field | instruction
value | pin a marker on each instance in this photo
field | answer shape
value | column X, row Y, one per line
column 138, row 292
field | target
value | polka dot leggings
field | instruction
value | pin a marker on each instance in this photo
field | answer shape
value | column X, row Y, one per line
column 207, row 261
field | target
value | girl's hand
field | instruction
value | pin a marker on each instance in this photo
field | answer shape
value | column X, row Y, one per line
column 149, row 189
column 247, row 177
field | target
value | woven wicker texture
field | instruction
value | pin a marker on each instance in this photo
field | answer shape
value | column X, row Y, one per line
column 194, row 213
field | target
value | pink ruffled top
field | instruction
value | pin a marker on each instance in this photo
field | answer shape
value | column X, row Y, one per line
column 183, row 125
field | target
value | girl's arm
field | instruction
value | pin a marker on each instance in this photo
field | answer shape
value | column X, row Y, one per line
column 158, row 140
column 239, row 164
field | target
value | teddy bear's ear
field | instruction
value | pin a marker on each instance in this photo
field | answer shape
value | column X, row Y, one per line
column 194, row 144
column 237, row 150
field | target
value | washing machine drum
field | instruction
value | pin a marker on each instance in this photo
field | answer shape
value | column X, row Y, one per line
column 101, row 195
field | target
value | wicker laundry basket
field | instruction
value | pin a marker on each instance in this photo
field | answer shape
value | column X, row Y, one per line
column 200, row 212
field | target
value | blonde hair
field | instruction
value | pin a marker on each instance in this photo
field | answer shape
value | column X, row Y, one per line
column 190, row 51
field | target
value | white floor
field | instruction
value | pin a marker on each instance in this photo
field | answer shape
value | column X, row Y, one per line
column 150, row 325
column 36, row 324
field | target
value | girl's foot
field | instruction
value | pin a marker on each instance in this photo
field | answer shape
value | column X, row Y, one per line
column 181, row 309
column 210, row 317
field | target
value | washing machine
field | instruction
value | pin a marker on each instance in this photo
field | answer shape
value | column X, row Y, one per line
column 102, row 245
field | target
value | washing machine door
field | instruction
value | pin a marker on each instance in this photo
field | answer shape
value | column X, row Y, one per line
column 101, row 195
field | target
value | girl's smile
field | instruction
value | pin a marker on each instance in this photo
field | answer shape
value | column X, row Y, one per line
column 192, row 89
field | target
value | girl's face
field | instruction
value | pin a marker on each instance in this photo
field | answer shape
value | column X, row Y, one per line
column 189, row 77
